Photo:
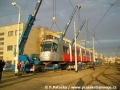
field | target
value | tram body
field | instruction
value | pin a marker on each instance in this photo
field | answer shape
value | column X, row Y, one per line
column 51, row 50
column 55, row 51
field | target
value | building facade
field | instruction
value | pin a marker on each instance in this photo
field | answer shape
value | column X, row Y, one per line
column 8, row 41
column 8, row 37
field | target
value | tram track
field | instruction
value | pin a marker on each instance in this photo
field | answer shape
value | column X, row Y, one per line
column 53, row 74
column 96, row 78
column 55, row 79
column 111, row 77
column 91, row 75
column 12, row 79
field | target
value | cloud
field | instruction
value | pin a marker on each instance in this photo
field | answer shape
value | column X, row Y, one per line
column 107, row 32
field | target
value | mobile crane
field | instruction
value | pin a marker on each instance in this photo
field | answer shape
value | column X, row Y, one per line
column 33, row 59
column 52, row 50
column 71, row 65
column 68, row 24
column 80, row 29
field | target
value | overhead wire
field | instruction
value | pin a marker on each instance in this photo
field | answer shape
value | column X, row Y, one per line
column 79, row 18
column 73, row 8
column 87, row 35
column 98, row 22
column 24, row 9
column 16, row 12
column 86, row 27
column 105, row 14
column 111, row 5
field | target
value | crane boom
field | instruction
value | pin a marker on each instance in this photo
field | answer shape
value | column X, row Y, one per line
column 67, row 25
column 73, row 40
column 27, row 29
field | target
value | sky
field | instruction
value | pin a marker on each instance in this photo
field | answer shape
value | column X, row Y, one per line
column 103, row 20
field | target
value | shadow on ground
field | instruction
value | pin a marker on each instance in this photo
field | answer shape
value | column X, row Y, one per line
column 79, row 84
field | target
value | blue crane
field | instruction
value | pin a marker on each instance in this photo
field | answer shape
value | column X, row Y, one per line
column 27, row 28
column 67, row 25
column 73, row 40
column 25, row 34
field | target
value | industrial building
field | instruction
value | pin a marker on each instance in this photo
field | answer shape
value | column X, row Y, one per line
column 8, row 41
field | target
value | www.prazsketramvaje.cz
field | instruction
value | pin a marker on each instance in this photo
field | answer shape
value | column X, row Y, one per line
column 80, row 87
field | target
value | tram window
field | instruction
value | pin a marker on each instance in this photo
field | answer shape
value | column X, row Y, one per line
column 65, row 49
column 73, row 52
column 54, row 48
column 46, row 46
column 78, row 53
column 49, row 37
column 83, row 52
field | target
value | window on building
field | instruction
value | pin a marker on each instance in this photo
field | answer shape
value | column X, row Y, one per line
column 10, row 47
column 1, row 43
column 1, row 57
column 15, row 32
column 10, row 33
column 1, row 48
column 1, row 39
column 1, row 53
column 14, row 46
column 1, row 34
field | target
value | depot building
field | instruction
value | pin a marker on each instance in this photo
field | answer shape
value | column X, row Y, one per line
column 8, row 41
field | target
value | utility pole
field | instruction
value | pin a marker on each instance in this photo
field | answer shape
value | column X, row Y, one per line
column 75, row 47
column 93, row 49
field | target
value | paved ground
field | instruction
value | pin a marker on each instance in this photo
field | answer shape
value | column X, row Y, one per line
column 106, row 77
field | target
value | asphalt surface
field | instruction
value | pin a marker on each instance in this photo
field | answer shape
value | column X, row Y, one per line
column 105, row 77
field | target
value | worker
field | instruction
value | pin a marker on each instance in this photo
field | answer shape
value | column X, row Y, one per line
column 79, row 66
column 93, row 66
column 18, row 67
column 2, row 63
column 27, row 67
column 22, row 66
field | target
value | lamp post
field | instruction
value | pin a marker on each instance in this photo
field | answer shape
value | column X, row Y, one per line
column 17, row 44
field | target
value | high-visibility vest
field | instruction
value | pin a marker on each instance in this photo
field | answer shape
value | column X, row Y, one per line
column 18, row 65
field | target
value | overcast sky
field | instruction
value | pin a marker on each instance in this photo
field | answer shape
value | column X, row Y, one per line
column 103, row 16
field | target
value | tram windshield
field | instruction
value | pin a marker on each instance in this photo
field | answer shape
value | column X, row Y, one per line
column 49, row 46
